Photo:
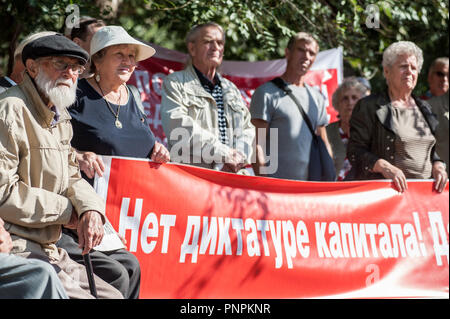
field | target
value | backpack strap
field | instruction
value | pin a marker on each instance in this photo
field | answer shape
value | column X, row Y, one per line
column 281, row 84
column 137, row 97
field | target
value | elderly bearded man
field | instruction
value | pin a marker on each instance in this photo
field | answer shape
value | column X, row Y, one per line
column 203, row 114
column 40, row 184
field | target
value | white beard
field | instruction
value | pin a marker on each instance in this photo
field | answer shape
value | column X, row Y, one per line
column 61, row 96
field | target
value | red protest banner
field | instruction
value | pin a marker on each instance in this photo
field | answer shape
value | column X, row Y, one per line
column 325, row 75
column 204, row 234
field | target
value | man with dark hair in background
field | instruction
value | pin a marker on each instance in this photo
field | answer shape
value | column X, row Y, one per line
column 82, row 35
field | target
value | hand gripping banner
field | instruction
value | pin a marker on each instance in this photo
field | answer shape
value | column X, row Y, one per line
column 204, row 234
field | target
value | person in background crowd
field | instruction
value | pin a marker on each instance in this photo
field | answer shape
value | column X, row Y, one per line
column 118, row 267
column 439, row 106
column 391, row 134
column 22, row 278
column 437, row 78
column 40, row 185
column 16, row 75
column 366, row 84
column 107, row 120
column 76, row 24
column 344, row 100
column 203, row 114
column 272, row 108
column 82, row 35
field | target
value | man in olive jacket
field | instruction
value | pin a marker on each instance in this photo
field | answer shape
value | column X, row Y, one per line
column 40, row 184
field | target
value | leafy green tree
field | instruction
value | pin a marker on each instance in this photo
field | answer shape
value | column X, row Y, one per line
column 259, row 30
column 23, row 17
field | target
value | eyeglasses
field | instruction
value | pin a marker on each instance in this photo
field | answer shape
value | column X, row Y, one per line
column 61, row 66
column 441, row 74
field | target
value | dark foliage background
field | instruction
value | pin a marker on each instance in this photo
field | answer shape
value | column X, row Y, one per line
column 256, row 30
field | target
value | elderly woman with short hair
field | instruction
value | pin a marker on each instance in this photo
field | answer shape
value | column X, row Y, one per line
column 344, row 100
column 392, row 134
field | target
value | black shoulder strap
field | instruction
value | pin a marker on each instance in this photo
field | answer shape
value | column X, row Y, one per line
column 5, row 83
column 279, row 82
column 137, row 97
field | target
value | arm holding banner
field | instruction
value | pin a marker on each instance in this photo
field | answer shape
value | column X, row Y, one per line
column 90, row 163
column 159, row 153
column 440, row 175
column 367, row 141
column 392, row 172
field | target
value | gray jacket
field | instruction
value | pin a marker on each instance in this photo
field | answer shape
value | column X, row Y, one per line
column 186, row 104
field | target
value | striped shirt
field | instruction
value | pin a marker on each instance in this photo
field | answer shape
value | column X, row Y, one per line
column 414, row 142
column 216, row 92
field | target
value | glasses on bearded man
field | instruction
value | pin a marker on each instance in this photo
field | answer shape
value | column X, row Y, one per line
column 61, row 66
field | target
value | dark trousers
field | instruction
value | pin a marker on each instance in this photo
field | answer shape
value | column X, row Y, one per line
column 119, row 268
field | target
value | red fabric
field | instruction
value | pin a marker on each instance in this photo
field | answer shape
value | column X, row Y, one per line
column 414, row 264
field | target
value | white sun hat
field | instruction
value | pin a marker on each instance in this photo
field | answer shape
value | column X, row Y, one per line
column 114, row 35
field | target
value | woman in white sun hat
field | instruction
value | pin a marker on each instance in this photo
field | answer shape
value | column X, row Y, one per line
column 107, row 120
column 108, row 117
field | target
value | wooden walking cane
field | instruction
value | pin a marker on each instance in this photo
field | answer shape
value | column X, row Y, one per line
column 90, row 274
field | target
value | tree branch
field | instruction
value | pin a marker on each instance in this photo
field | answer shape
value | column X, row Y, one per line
column 301, row 13
column 176, row 8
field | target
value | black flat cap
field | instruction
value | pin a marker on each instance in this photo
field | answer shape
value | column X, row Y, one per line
column 53, row 45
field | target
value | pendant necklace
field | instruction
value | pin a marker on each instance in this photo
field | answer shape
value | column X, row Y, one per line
column 116, row 115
